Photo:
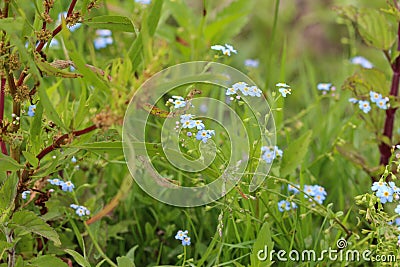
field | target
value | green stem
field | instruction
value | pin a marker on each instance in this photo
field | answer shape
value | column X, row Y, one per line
column 97, row 246
column 184, row 256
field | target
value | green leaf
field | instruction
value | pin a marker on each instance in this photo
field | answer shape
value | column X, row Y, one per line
column 8, row 164
column 125, row 262
column 50, row 70
column 136, row 49
column 375, row 29
column 81, row 113
column 12, row 25
column 295, row 153
column 182, row 14
column 229, row 21
column 29, row 222
column 48, row 261
column 101, row 89
column 114, row 149
column 36, row 129
column 32, row 159
column 78, row 258
column 347, row 12
column 114, row 23
column 8, row 191
column 3, row 247
column 366, row 80
column 262, row 247
column 48, row 106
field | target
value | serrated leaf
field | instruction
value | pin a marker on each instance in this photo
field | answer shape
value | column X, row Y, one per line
column 113, row 23
column 261, row 248
column 393, row 11
column 125, row 262
column 348, row 12
column 375, row 29
column 32, row 159
column 293, row 156
column 8, row 191
column 366, row 80
column 78, row 258
column 29, row 222
column 8, row 164
column 48, row 261
column 3, row 247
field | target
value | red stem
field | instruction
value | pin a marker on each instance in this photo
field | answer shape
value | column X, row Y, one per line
column 42, row 43
column 2, row 99
column 61, row 139
column 384, row 148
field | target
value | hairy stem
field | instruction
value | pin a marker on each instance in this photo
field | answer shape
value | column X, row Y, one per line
column 11, row 251
column 14, row 150
column 2, row 101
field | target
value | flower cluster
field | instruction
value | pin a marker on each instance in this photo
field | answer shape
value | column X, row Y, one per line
column 70, row 26
column 358, row 60
column 364, row 105
column 31, row 110
column 285, row 205
column 284, row 89
column 80, row 210
column 103, row 39
column 386, row 192
column 312, row 192
column 317, row 192
column 183, row 236
column 177, row 101
column 326, row 87
column 243, row 88
column 226, row 50
column 188, row 123
column 67, row 186
column 270, row 153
